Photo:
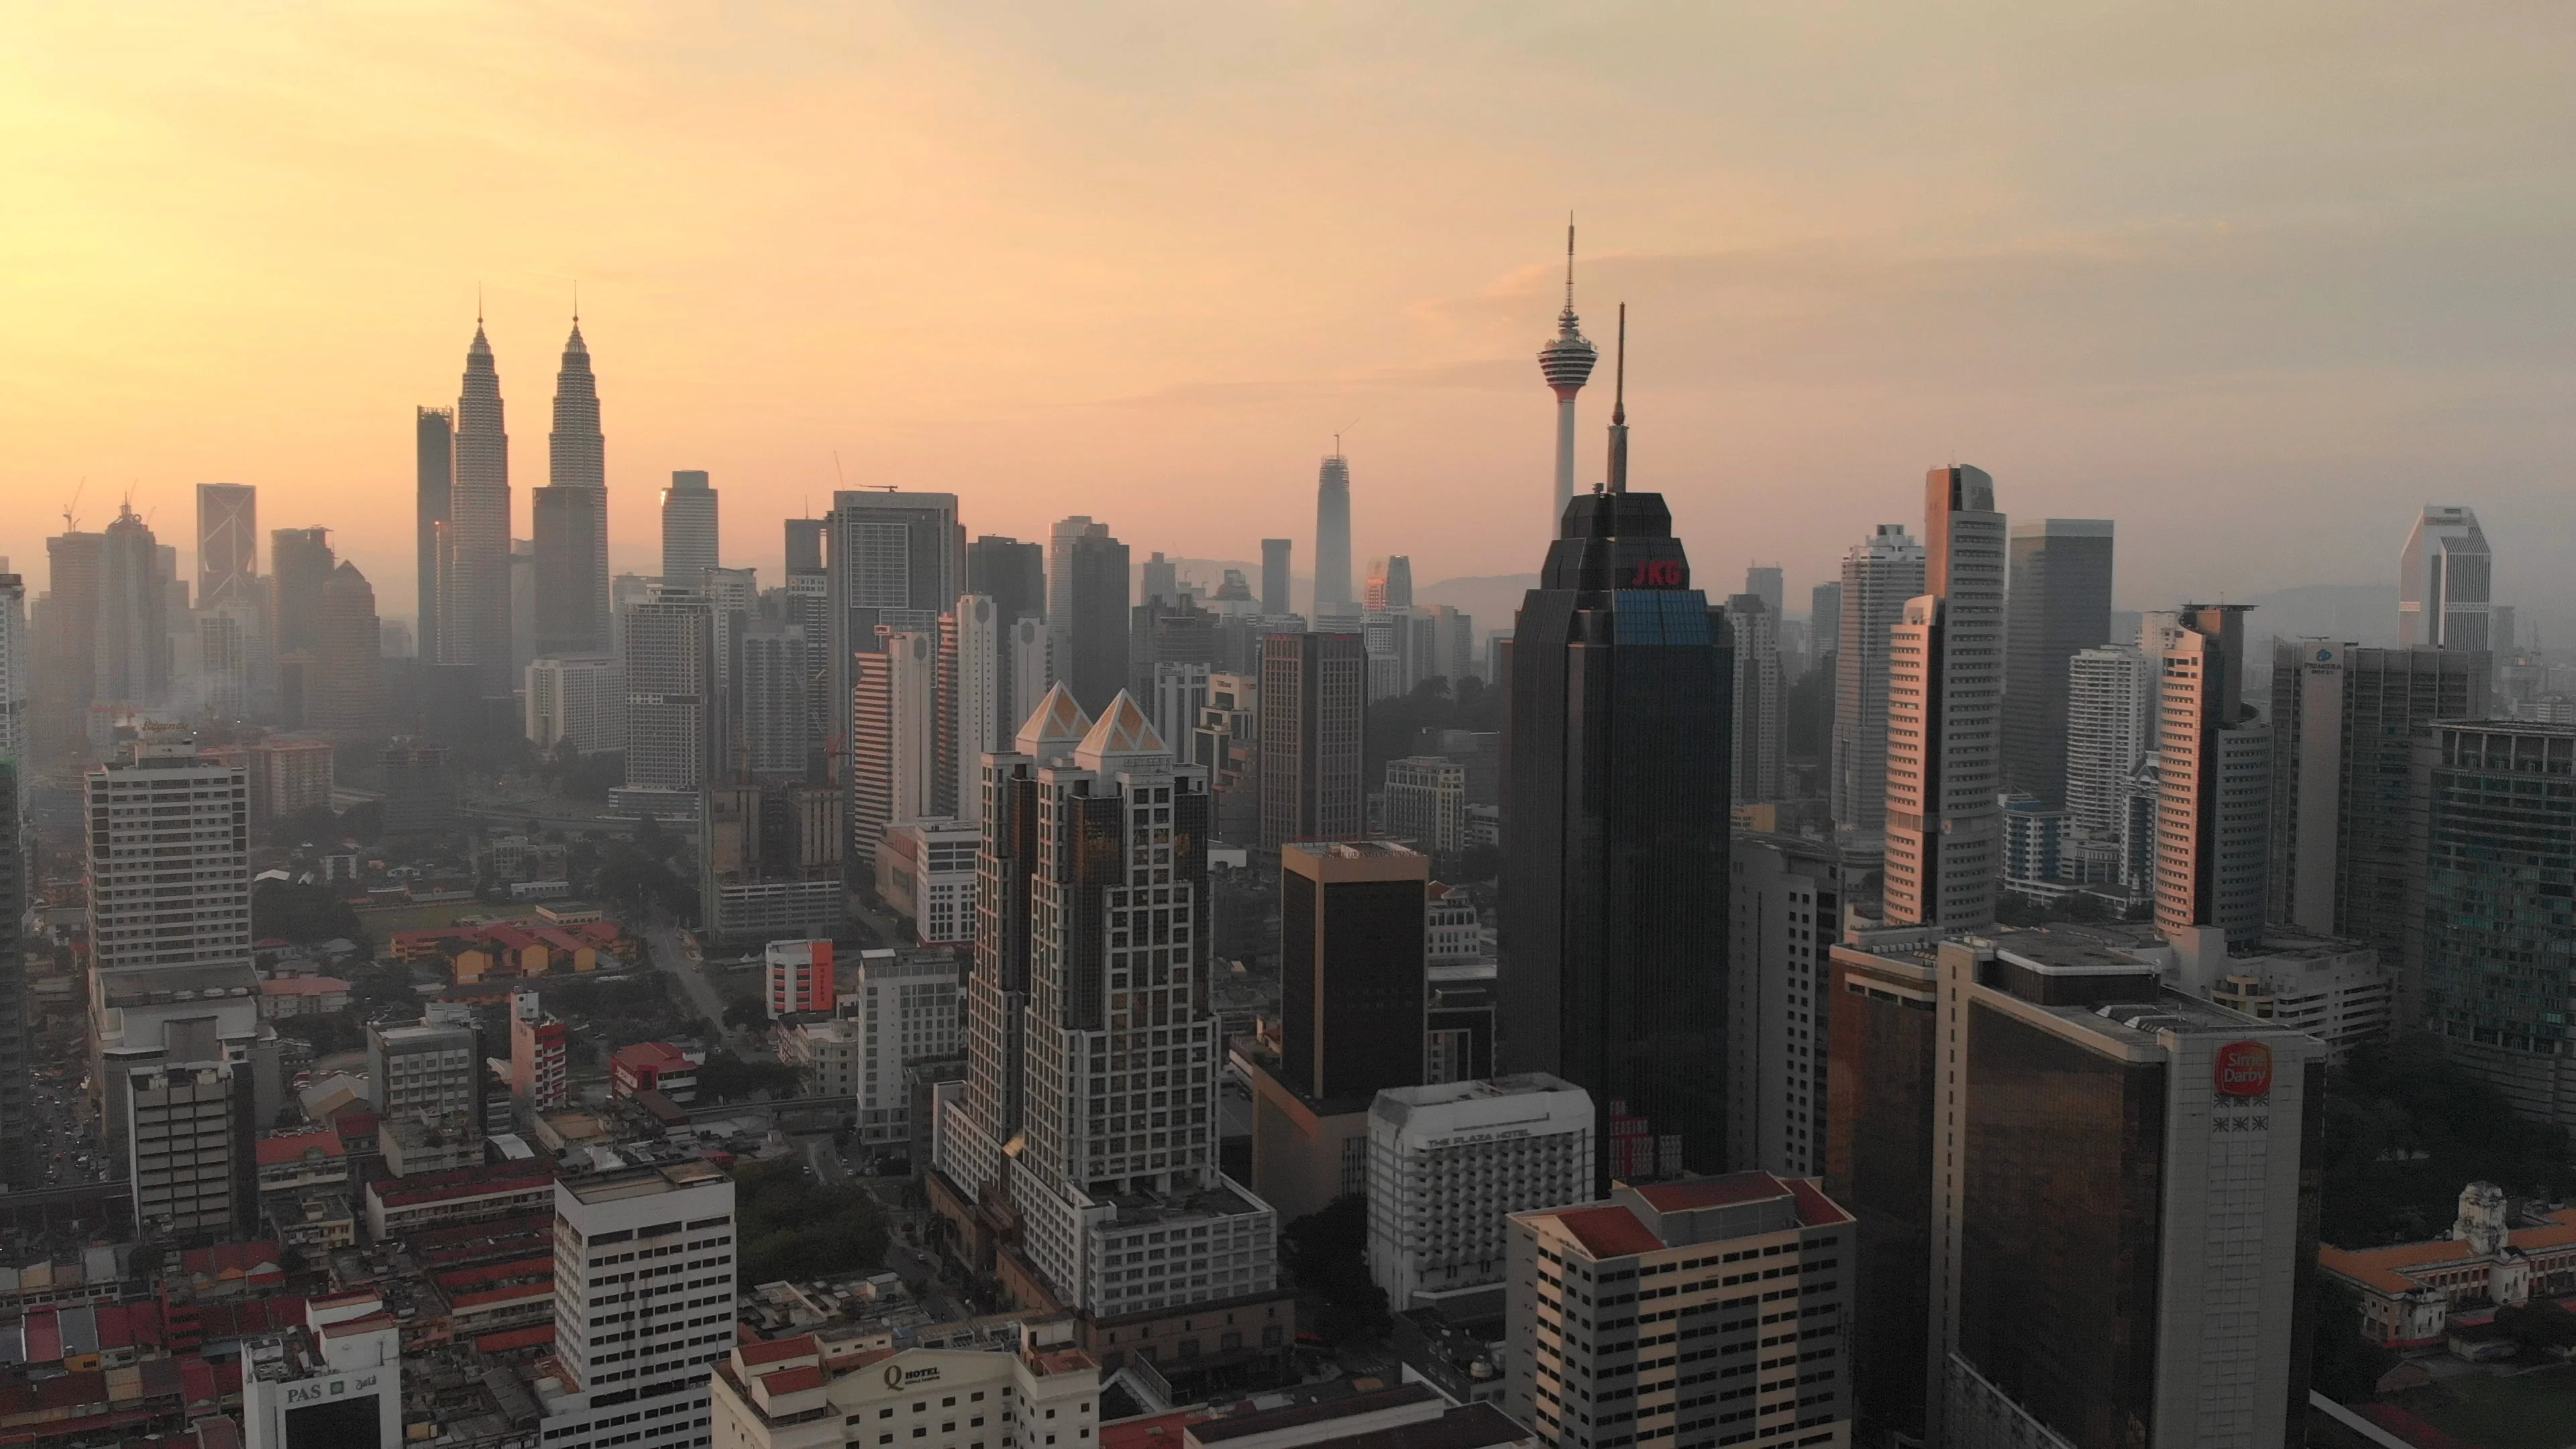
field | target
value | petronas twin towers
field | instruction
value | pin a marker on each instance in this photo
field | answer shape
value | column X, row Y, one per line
column 464, row 514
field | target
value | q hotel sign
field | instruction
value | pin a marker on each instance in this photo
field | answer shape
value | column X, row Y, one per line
column 2243, row 1069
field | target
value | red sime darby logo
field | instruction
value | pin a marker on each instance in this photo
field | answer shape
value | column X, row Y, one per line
column 1659, row 573
column 2244, row 1069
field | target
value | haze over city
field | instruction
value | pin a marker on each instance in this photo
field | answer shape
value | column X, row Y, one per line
column 2257, row 282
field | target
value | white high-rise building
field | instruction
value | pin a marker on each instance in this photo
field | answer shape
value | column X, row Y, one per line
column 334, row 1379
column 1880, row 574
column 688, row 529
column 1180, row 692
column 670, row 691
column 2213, row 811
column 894, row 723
column 2445, row 580
column 981, row 691
column 2110, row 694
column 775, row 726
column 644, row 1303
column 1447, row 1166
column 168, row 858
column 902, row 1008
column 577, row 701
column 1032, row 670
column 1945, row 715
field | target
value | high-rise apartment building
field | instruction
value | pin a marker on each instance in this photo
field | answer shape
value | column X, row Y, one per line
column 345, row 693
column 1333, row 536
column 2086, row 1204
column 894, row 740
column 979, row 696
column 2110, row 709
column 1784, row 914
column 2486, row 969
column 896, row 560
column 168, row 862
column 1615, row 827
column 643, row 1304
column 1277, row 586
column 1448, row 1166
column 66, row 645
column 2214, row 755
column 434, row 483
column 2343, row 831
column 773, row 729
column 1880, row 575
column 1351, row 947
column 1118, row 1135
column 1013, row 575
column 2445, row 581
column 1087, row 610
column 1753, row 627
column 671, row 724
column 131, row 661
column 1313, row 694
column 2060, row 605
column 1945, row 717
column 227, row 544
column 578, row 703
column 474, row 568
column 570, row 515
column 690, row 528
column 1751, row 1268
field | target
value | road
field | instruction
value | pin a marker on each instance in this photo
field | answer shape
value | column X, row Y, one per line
column 671, row 955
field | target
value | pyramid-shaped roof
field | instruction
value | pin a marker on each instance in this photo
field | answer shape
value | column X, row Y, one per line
column 1122, row 730
column 1055, row 726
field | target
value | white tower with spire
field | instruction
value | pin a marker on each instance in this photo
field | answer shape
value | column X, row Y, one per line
column 1566, row 362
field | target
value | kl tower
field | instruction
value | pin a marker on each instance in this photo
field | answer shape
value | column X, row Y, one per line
column 1566, row 362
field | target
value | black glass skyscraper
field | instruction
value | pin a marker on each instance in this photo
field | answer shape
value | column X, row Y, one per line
column 1615, row 901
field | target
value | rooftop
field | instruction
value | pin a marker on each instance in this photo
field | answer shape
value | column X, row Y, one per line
column 644, row 1181
column 1217, row 1431
column 157, row 985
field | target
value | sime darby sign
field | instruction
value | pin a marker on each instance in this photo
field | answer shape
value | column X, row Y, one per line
column 2243, row 1069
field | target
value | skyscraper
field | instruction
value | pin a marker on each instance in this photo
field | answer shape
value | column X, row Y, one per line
column 434, row 468
column 805, row 545
column 1944, row 707
column 690, row 533
column 571, row 516
column 168, row 864
column 1351, row 961
column 2110, row 714
column 1764, row 581
column 2344, row 721
column 1277, row 598
column 227, row 544
column 1161, row 582
column 1313, row 694
column 1087, row 610
column 2060, row 604
column 474, row 597
column 632, row 1351
column 1333, row 536
column 2215, row 753
column 980, row 697
column 896, row 559
column 17, row 678
column 345, row 693
column 1012, row 575
column 2444, row 581
column 670, row 691
column 1615, row 832
column 1880, row 574
column 18, row 1172
column 894, row 739
column 131, row 662
column 300, row 563
column 1753, row 629
column 1390, row 584
column 1566, row 362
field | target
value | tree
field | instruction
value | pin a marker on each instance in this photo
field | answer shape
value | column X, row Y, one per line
column 747, row 1012
column 2343, row 1364
column 301, row 913
column 795, row 1229
column 2540, row 1324
column 2406, row 1127
column 1327, row 1251
column 725, row 1077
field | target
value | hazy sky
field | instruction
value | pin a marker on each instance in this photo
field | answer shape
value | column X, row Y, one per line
column 2255, row 280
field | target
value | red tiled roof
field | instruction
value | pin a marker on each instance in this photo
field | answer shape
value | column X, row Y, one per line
column 660, row 1055
column 1708, row 1192
column 780, row 1349
column 1608, row 1232
column 1815, row 1210
column 1162, row 1431
column 304, row 986
column 290, row 1147
column 462, row 1182
column 514, row 1338
column 498, row 1272
column 480, row 1297
column 794, row 1380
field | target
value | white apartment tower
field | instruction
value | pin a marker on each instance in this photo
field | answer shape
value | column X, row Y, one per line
column 576, row 701
column 980, row 698
column 2110, row 707
column 670, row 690
column 1880, row 574
column 1945, row 714
column 894, row 718
column 1449, row 1163
column 644, row 1302
column 168, row 858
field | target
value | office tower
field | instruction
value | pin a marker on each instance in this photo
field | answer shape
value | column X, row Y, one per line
column 1277, row 596
column 19, row 1170
column 893, row 740
column 632, row 1350
column 2215, row 763
column 1390, row 584
column 17, row 675
column 1117, row 1002
column 1615, row 824
column 670, row 692
column 772, row 730
column 895, row 559
column 300, row 563
column 1566, row 362
column 1880, row 574
column 131, row 664
column 1944, row 708
column 1426, row 803
column 1333, row 537
column 805, row 545
column 2343, row 828
column 2110, row 706
column 227, row 544
column 1650, row 1378
column 1161, row 581
column 2085, row 1203
column 578, row 704
column 1765, row 582
column 346, row 693
column 167, row 870
column 1753, row 627
column 1087, row 610
column 570, row 603
column 1312, row 703
column 1159, row 634
column 68, row 642
column 1228, row 745
column 2060, row 605
column 689, row 528
column 1010, row 573
column 734, row 597
column 1825, row 616
column 2444, row 581
column 2488, row 972
column 474, row 591
column 1784, row 913
column 1448, row 1165
column 434, row 470
column 1350, row 966
column 424, row 1069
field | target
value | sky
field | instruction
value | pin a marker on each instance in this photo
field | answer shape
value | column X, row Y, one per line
column 2256, row 281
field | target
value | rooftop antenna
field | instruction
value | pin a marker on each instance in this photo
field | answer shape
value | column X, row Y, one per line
column 836, row 469
column 1619, row 411
column 576, row 302
column 1569, row 261
column 478, row 306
